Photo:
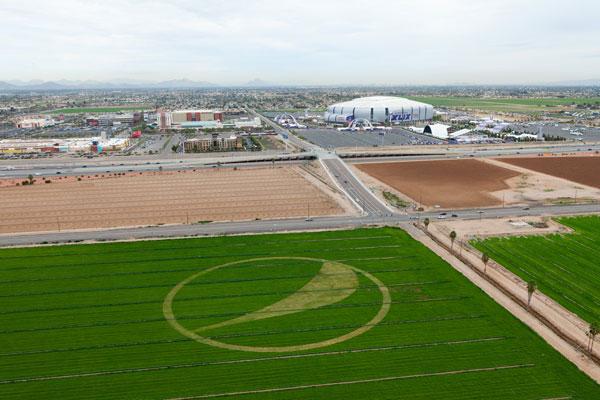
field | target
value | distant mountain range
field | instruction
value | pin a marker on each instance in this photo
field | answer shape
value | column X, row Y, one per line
column 64, row 84
column 67, row 84
column 584, row 82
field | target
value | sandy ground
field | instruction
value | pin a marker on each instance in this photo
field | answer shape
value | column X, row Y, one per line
column 535, row 187
column 559, row 326
column 583, row 170
column 169, row 197
column 467, row 229
column 444, row 183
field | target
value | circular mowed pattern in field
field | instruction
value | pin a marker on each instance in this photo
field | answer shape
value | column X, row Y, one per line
column 277, row 304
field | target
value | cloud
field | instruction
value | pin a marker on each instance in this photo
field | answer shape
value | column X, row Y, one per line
column 429, row 41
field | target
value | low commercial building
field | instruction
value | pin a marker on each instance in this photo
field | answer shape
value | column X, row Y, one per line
column 213, row 142
column 31, row 122
column 73, row 145
column 115, row 119
column 242, row 123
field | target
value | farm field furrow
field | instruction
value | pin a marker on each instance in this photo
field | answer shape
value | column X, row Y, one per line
column 328, row 315
column 447, row 183
column 564, row 267
column 162, row 198
column 583, row 170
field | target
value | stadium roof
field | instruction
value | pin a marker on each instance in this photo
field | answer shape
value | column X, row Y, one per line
column 380, row 101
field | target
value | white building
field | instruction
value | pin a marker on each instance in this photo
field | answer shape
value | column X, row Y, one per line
column 439, row 131
column 379, row 109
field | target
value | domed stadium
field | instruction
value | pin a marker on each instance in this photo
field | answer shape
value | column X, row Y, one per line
column 379, row 109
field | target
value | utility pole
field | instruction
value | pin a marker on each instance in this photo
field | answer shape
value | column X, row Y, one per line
column 58, row 223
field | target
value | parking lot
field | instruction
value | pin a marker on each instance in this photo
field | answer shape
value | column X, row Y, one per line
column 332, row 138
column 567, row 131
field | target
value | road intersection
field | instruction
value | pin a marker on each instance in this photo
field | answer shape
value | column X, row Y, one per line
column 372, row 211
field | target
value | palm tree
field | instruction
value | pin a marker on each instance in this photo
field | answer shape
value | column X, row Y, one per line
column 485, row 258
column 426, row 223
column 531, row 286
column 452, row 239
column 593, row 331
column 30, row 178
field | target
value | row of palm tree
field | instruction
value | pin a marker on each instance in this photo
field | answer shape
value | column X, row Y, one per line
column 594, row 328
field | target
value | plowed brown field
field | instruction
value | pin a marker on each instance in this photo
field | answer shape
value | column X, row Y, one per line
column 447, row 183
column 162, row 198
column 584, row 170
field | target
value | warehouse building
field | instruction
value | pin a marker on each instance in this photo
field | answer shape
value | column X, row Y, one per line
column 381, row 109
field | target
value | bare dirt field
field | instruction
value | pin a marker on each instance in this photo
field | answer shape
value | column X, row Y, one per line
column 532, row 187
column 169, row 197
column 447, row 183
column 467, row 229
column 583, row 170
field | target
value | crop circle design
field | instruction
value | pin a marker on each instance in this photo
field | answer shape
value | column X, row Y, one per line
column 172, row 319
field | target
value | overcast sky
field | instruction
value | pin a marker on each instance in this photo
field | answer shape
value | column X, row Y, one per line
column 302, row 41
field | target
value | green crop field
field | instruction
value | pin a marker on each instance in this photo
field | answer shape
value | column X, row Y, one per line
column 367, row 313
column 79, row 110
column 564, row 267
column 530, row 105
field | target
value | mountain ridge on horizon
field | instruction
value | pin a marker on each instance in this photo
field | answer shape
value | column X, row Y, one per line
column 184, row 83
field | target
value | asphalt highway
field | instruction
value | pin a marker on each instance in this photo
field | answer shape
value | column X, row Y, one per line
column 269, row 226
column 354, row 189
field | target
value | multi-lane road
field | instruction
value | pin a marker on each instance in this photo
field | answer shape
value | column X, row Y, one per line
column 354, row 189
column 268, row 226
